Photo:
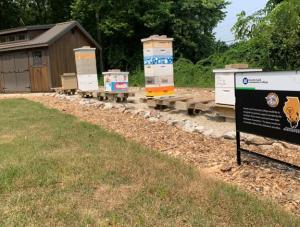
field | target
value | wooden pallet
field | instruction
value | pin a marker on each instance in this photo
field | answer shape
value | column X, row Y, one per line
column 114, row 96
column 194, row 105
column 61, row 91
column 87, row 94
column 164, row 102
column 226, row 111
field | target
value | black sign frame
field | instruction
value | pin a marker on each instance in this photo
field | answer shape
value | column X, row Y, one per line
column 240, row 150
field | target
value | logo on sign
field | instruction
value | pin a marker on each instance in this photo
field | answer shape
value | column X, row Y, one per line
column 291, row 110
column 245, row 81
column 272, row 100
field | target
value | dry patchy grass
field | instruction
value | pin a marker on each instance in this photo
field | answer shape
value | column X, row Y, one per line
column 59, row 171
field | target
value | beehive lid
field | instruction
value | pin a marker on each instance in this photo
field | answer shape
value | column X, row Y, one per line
column 157, row 38
column 85, row 48
column 236, row 70
column 69, row 74
column 115, row 71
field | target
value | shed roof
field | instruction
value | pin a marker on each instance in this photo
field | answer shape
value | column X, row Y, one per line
column 26, row 28
column 48, row 37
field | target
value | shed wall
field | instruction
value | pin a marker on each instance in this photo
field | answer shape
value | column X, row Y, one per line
column 62, row 58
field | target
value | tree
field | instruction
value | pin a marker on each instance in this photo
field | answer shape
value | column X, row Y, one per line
column 8, row 14
column 123, row 24
column 272, row 35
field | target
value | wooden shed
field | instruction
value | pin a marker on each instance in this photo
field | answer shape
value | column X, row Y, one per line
column 33, row 58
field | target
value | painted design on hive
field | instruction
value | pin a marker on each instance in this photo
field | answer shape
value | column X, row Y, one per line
column 292, row 111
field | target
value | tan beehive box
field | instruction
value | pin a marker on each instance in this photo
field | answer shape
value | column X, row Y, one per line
column 69, row 81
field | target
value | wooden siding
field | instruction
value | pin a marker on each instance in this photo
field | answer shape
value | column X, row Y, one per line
column 39, row 79
column 61, row 54
column 1, row 76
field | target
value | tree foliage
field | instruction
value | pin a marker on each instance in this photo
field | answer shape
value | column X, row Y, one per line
column 123, row 24
column 272, row 35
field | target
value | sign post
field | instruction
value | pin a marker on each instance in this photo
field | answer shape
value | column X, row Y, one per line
column 268, row 104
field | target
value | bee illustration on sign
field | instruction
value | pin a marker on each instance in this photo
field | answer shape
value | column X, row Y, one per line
column 272, row 100
column 291, row 110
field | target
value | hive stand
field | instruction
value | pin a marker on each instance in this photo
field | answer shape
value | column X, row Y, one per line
column 62, row 91
column 114, row 96
column 87, row 94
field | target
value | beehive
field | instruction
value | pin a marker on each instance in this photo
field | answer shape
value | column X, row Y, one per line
column 224, row 84
column 69, row 81
column 116, row 81
column 158, row 66
column 86, row 69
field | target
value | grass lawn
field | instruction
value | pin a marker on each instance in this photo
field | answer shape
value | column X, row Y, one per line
column 58, row 170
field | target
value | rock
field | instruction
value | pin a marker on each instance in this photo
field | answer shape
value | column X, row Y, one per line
column 259, row 189
column 216, row 136
column 154, row 113
column 278, row 146
column 226, row 168
column 92, row 101
column 290, row 146
column 136, row 112
column 181, row 124
column 82, row 102
column 189, row 126
column 208, row 132
column 153, row 119
column 172, row 122
column 147, row 114
column 164, row 118
column 266, row 147
column 259, row 141
column 199, row 129
column 122, row 109
column 230, row 135
column 108, row 106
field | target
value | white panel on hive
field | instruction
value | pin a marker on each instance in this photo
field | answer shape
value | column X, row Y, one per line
column 158, row 70
column 223, row 80
column 87, row 78
column 88, row 82
column 225, row 96
column 158, row 52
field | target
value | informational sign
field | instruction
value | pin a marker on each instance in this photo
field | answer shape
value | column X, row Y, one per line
column 268, row 104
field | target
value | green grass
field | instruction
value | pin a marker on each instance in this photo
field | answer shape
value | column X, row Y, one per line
column 58, row 170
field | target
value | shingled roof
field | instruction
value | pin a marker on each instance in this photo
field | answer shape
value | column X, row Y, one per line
column 53, row 33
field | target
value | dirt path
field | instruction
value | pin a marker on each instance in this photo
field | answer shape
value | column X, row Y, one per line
column 214, row 157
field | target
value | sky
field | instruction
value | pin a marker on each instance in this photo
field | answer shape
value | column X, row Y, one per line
column 223, row 30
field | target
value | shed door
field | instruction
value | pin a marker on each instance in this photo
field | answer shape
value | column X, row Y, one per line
column 22, row 72
column 39, row 72
column 16, row 72
column 9, row 76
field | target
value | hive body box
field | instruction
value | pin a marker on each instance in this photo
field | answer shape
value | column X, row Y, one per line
column 69, row 81
column 86, row 69
column 224, row 85
column 116, row 81
column 158, row 66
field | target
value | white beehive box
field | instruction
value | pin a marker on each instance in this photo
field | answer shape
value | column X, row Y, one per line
column 224, row 85
column 86, row 69
column 116, row 81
